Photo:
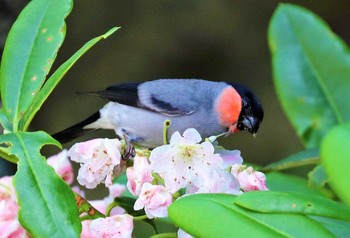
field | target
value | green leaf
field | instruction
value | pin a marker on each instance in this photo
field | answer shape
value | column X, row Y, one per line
column 303, row 158
column 29, row 52
column 143, row 229
column 216, row 215
column 4, row 121
column 317, row 177
column 282, row 182
column 57, row 76
column 127, row 203
column 335, row 156
column 47, row 204
column 337, row 227
column 311, row 68
column 4, row 154
column 278, row 202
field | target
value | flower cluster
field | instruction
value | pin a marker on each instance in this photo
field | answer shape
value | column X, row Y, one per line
column 187, row 165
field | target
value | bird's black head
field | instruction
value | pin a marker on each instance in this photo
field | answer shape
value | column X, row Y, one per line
column 252, row 112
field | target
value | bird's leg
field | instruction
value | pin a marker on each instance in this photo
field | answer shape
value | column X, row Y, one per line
column 129, row 151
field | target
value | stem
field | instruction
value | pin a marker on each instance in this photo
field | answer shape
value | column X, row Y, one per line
column 140, row 218
column 85, row 206
column 157, row 179
column 166, row 126
column 176, row 195
column 110, row 207
column 165, row 235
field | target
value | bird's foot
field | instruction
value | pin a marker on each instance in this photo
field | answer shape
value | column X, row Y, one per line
column 129, row 151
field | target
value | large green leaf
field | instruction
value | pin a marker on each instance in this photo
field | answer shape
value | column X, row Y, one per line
column 29, row 52
column 47, row 204
column 337, row 227
column 311, row 68
column 279, row 202
column 216, row 215
column 283, row 182
column 317, row 177
column 335, row 157
column 57, row 76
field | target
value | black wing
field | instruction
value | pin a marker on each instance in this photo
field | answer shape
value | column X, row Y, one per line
column 127, row 94
column 122, row 93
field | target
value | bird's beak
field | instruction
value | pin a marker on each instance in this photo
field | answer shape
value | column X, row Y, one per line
column 251, row 124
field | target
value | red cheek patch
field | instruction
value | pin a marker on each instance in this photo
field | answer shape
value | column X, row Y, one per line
column 229, row 106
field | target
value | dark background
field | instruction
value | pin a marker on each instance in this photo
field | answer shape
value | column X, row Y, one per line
column 214, row 40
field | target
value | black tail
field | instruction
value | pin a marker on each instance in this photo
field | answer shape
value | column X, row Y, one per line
column 77, row 130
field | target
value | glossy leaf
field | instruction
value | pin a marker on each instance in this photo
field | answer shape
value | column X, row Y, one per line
column 47, row 204
column 303, row 158
column 4, row 154
column 216, row 215
column 29, row 52
column 282, row 182
column 335, row 156
column 311, row 68
column 278, row 202
column 127, row 203
column 58, row 75
column 317, row 177
column 337, row 227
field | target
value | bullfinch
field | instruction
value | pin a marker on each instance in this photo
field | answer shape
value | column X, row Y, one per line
column 137, row 111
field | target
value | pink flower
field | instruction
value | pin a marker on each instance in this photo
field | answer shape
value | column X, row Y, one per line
column 62, row 166
column 86, row 232
column 248, row 178
column 155, row 199
column 9, row 224
column 185, row 162
column 99, row 161
column 118, row 226
column 139, row 174
column 115, row 190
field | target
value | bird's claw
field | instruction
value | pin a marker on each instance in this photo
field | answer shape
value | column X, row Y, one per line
column 129, row 151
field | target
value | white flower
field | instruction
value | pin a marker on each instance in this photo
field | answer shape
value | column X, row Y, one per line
column 230, row 157
column 185, row 162
column 219, row 181
column 118, row 226
column 155, row 199
column 139, row 174
column 99, row 161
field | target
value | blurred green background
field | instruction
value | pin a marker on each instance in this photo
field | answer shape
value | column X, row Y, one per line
column 214, row 40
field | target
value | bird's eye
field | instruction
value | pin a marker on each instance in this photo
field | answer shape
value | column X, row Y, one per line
column 245, row 104
column 240, row 126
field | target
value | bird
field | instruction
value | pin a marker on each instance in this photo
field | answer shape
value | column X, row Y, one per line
column 137, row 111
